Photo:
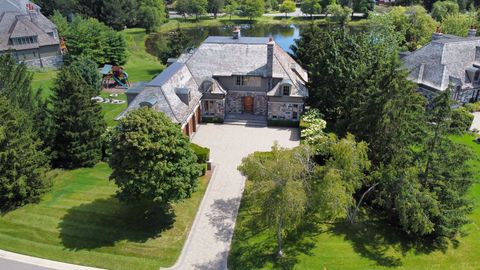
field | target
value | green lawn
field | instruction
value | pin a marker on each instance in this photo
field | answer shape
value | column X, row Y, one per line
column 140, row 66
column 80, row 221
column 369, row 245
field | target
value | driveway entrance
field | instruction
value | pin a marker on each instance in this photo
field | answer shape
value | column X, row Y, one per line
column 209, row 240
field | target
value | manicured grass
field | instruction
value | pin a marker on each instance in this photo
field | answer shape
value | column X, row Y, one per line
column 81, row 221
column 140, row 66
column 44, row 78
column 369, row 245
column 112, row 110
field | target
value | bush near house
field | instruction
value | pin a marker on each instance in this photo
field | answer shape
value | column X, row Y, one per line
column 282, row 123
column 461, row 120
column 202, row 153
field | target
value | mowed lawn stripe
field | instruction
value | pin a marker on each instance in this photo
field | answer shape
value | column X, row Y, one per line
column 81, row 221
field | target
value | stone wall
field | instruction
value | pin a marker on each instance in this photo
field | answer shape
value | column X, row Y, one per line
column 462, row 96
column 219, row 108
column 49, row 61
column 284, row 110
column 235, row 102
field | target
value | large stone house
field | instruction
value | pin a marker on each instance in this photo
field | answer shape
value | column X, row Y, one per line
column 447, row 61
column 223, row 77
column 28, row 35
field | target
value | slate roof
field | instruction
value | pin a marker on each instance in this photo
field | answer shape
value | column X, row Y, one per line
column 218, row 56
column 19, row 23
column 163, row 90
column 444, row 61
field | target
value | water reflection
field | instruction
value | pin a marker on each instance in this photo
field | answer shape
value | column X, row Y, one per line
column 284, row 35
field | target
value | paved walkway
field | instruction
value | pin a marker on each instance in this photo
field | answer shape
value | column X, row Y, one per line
column 209, row 240
column 476, row 122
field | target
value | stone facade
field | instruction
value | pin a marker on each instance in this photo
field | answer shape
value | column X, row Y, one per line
column 235, row 102
column 284, row 111
column 460, row 95
column 213, row 108
column 49, row 61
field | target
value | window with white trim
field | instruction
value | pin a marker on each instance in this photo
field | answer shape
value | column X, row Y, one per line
column 286, row 90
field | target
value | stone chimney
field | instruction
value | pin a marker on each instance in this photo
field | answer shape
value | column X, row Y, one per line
column 472, row 32
column 270, row 46
column 236, row 32
column 437, row 34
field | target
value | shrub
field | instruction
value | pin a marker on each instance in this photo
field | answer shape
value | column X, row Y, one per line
column 473, row 107
column 282, row 123
column 202, row 153
column 461, row 120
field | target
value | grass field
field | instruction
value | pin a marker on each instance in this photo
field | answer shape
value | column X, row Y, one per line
column 367, row 246
column 80, row 221
column 140, row 66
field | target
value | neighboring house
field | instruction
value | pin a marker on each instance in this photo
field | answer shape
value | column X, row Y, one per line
column 447, row 61
column 28, row 35
column 224, row 76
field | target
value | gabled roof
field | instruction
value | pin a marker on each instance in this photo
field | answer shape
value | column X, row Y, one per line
column 197, row 69
column 18, row 24
column 163, row 89
column 443, row 61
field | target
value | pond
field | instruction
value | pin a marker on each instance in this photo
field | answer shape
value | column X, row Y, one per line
column 284, row 35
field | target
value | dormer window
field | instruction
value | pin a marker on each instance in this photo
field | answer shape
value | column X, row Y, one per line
column 241, row 80
column 286, row 90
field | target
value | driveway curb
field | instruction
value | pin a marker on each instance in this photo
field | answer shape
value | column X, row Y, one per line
column 181, row 258
column 7, row 255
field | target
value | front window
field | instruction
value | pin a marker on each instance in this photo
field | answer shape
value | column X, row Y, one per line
column 295, row 116
column 286, row 90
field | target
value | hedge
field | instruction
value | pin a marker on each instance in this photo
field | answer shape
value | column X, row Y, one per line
column 282, row 123
column 202, row 153
column 212, row 120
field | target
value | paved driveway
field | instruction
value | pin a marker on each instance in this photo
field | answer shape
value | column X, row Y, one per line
column 209, row 240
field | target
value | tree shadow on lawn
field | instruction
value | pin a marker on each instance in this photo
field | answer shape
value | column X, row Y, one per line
column 255, row 246
column 380, row 242
column 104, row 222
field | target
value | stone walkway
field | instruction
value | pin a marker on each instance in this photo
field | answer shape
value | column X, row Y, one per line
column 209, row 240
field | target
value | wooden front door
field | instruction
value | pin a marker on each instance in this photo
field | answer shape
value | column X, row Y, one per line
column 248, row 104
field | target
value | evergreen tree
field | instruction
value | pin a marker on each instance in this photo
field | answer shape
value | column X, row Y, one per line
column 78, row 121
column 151, row 159
column 89, row 72
column 22, row 163
column 15, row 83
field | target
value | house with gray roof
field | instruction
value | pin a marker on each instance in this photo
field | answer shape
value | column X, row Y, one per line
column 226, row 76
column 447, row 61
column 28, row 35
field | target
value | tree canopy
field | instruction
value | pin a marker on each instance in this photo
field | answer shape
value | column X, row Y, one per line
column 22, row 163
column 151, row 159
column 78, row 122
column 92, row 39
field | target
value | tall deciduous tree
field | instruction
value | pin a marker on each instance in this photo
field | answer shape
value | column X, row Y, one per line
column 22, row 163
column 215, row 6
column 231, row 9
column 151, row 14
column 252, row 8
column 78, row 121
column 151, row 159
column 287, row 6
column 91, row 38
column 311, row 7
column 281, row 187
column 457, row 24
column 443, row 8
